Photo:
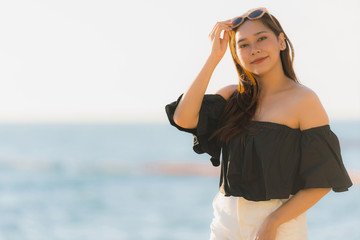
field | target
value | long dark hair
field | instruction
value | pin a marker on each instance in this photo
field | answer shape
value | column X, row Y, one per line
column 242, row 104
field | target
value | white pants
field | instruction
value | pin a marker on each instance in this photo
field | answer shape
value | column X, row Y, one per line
column 236, row 218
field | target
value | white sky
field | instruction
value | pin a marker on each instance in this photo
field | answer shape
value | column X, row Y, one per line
column 123, row 61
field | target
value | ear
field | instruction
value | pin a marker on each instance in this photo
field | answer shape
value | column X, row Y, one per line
column 282, row 43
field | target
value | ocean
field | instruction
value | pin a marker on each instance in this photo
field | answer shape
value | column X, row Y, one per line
column 132, row 182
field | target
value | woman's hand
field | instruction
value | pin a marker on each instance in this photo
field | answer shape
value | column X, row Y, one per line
column 267, row 231
column 219, row 45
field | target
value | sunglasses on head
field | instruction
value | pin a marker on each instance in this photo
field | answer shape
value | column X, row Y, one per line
column 252, row 14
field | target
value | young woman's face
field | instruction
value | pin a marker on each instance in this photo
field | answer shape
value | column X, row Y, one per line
column 255, row 40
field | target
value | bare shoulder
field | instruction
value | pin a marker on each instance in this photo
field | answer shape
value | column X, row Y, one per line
column 311, row 111
column 227, row 91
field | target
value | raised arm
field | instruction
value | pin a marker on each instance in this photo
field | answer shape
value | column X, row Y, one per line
column 186, row 114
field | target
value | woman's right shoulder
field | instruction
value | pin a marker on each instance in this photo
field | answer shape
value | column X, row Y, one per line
column 227, row 91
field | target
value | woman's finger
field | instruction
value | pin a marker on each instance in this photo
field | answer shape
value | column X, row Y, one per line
column 224, row 23
column 218, row 28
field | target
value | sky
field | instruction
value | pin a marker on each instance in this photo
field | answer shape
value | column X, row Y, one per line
column 123, row 61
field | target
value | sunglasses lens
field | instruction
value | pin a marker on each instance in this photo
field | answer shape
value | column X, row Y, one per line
column 256, row 13
column 237, row 21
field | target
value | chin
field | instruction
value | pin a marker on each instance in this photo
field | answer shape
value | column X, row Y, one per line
column 261, row 70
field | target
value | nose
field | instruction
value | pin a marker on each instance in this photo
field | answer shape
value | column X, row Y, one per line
column 253, row 51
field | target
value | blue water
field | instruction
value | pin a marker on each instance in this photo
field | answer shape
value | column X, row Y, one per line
column 77, row 181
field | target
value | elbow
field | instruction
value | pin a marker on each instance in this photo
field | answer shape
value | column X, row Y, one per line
column 184, row 122
column 176, row 118
column 177, row 122
column 327, row 190
column 323, row 191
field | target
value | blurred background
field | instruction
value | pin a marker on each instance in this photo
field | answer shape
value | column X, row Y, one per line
column 86, row 150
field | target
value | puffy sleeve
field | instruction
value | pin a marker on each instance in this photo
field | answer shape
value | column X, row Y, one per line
column 321, row 164
column 211, row 109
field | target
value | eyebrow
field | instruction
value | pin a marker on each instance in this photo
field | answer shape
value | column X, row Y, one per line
column 243, row 39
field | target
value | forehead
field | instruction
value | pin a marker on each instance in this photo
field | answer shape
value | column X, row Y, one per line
column 249, row 28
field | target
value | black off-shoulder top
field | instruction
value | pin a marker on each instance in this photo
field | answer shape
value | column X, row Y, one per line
column 274, row 161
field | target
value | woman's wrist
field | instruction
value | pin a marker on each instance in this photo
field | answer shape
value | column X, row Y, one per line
column 273, row 221
column 213, row 60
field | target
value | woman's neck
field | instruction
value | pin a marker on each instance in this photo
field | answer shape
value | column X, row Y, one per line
column 274, row 81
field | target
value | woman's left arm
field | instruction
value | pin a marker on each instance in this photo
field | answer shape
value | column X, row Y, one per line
column 298, row 204
column 311, row 114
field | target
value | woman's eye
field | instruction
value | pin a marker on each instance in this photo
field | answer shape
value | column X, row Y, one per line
column 244, row 45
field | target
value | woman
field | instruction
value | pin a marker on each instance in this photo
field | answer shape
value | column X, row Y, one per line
column 279, row 155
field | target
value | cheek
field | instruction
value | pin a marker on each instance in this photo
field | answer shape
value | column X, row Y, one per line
column 244, row 56
column 269, row 47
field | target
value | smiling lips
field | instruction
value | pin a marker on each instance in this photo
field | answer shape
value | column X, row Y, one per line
column 258, row 60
